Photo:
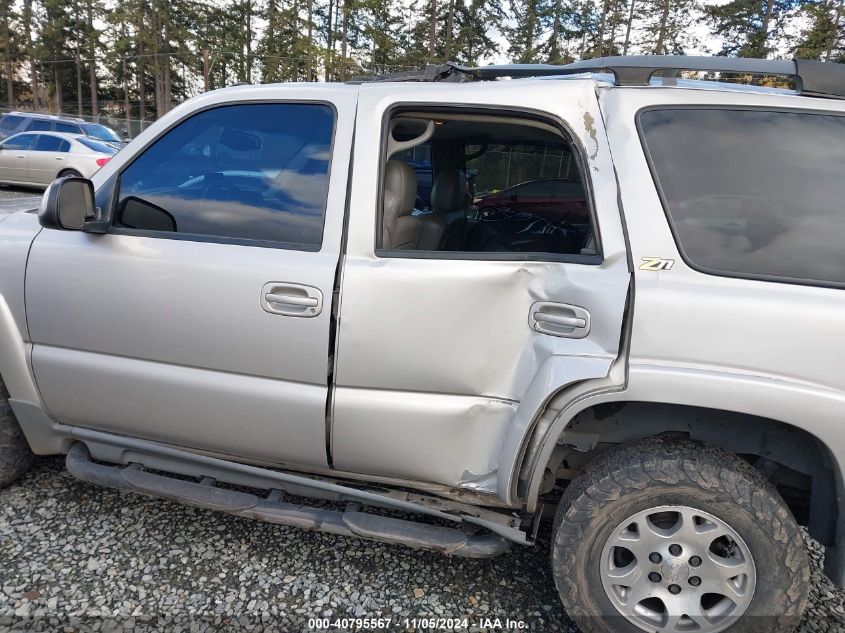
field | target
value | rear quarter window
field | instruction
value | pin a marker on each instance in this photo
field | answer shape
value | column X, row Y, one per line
column 70, row 128
column 9, row 122
column 752, row 193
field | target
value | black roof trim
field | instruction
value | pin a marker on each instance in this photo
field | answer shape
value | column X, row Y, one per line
column 813, row 78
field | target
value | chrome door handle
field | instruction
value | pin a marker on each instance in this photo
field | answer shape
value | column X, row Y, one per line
column 559, row 319
column 287, row 299
column 291, row 300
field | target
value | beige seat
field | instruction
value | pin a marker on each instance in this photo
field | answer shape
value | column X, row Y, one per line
column 401, row 229
column 448, row 201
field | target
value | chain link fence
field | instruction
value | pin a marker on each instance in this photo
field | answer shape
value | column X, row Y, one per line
column 125, row 127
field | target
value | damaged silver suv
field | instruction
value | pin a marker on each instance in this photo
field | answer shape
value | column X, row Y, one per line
column 602, row 294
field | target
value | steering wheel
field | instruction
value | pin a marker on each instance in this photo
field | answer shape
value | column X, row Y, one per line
column 218, row 189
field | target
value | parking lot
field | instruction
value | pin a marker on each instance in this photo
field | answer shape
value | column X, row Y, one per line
column 13, row 199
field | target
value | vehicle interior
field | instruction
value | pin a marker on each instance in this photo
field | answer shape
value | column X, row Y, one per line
column 480, row 183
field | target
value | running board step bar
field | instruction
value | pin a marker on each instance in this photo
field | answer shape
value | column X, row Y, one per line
column 352, row 522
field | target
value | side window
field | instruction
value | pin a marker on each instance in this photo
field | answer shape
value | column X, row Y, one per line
column 40, row 125
column 20, row 142
column 9, row 122
column 70, row 128
column 499, row 185
column 47, row 143
column 246, row 172
column 752, row 192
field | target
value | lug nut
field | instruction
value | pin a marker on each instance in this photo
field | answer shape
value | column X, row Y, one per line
column 675, row 549
column 654, row 577
column 674, row 589
column 695, row 561
column 694, row 581
column 655, row 558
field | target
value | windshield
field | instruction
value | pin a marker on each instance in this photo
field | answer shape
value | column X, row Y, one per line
column 101, row 132
column 97, row 146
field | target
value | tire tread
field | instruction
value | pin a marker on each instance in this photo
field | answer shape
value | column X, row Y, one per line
column 673, row 461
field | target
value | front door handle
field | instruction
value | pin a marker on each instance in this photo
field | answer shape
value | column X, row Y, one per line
column 559, row 319
column 291, row 300
column 297, row 300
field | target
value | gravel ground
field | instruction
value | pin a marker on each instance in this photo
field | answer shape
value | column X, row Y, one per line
column 76, row 557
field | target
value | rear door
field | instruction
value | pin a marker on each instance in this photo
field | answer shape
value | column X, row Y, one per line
column 442, row 354
column 47, row 158
column 202, row 317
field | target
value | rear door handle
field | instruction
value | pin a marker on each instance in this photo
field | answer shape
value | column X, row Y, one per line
column 287, row 299
column 559, row 319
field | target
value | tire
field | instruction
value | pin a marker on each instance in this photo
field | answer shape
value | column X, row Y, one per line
column 700, row 481
column 15, row 456
column 69, row 172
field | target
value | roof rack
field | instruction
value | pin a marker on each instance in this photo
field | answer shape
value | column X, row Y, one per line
column 812, row 78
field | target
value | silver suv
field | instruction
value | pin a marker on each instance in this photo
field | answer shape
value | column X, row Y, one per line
column 617, row 307
column 17, row 122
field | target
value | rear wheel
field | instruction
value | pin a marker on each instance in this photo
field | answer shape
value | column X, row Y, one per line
column 69, row 172
column 15, row 456
column 671, row 535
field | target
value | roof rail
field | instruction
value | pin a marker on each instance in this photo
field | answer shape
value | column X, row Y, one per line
column 812, row 78
column 450, row 71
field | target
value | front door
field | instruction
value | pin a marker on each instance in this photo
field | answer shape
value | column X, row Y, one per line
column 14, row 155
column 438, row 347
column 201, row 318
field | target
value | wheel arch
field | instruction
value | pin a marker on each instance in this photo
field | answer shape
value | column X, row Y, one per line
column 18, row 231
column 780, row 423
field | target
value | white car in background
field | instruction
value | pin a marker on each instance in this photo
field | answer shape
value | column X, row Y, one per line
column 37, row 158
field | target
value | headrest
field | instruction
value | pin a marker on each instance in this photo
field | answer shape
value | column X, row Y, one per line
column 400, row 189
column 449, row 191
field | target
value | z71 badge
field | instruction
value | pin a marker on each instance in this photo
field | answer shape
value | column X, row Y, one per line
column 656, row 263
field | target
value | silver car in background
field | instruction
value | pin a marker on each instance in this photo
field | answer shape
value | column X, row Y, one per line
column 37, row 158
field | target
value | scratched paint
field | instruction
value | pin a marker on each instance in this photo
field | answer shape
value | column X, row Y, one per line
column 590, row 126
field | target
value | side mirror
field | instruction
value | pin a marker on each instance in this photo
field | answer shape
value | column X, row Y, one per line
column 67, row 203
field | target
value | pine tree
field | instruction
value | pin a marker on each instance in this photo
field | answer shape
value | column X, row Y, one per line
column 664, row 25
column 749, row 28
column 824, row 37
column 523, row 34
column 29, row 50
column 473, row 30
column 6, row 17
